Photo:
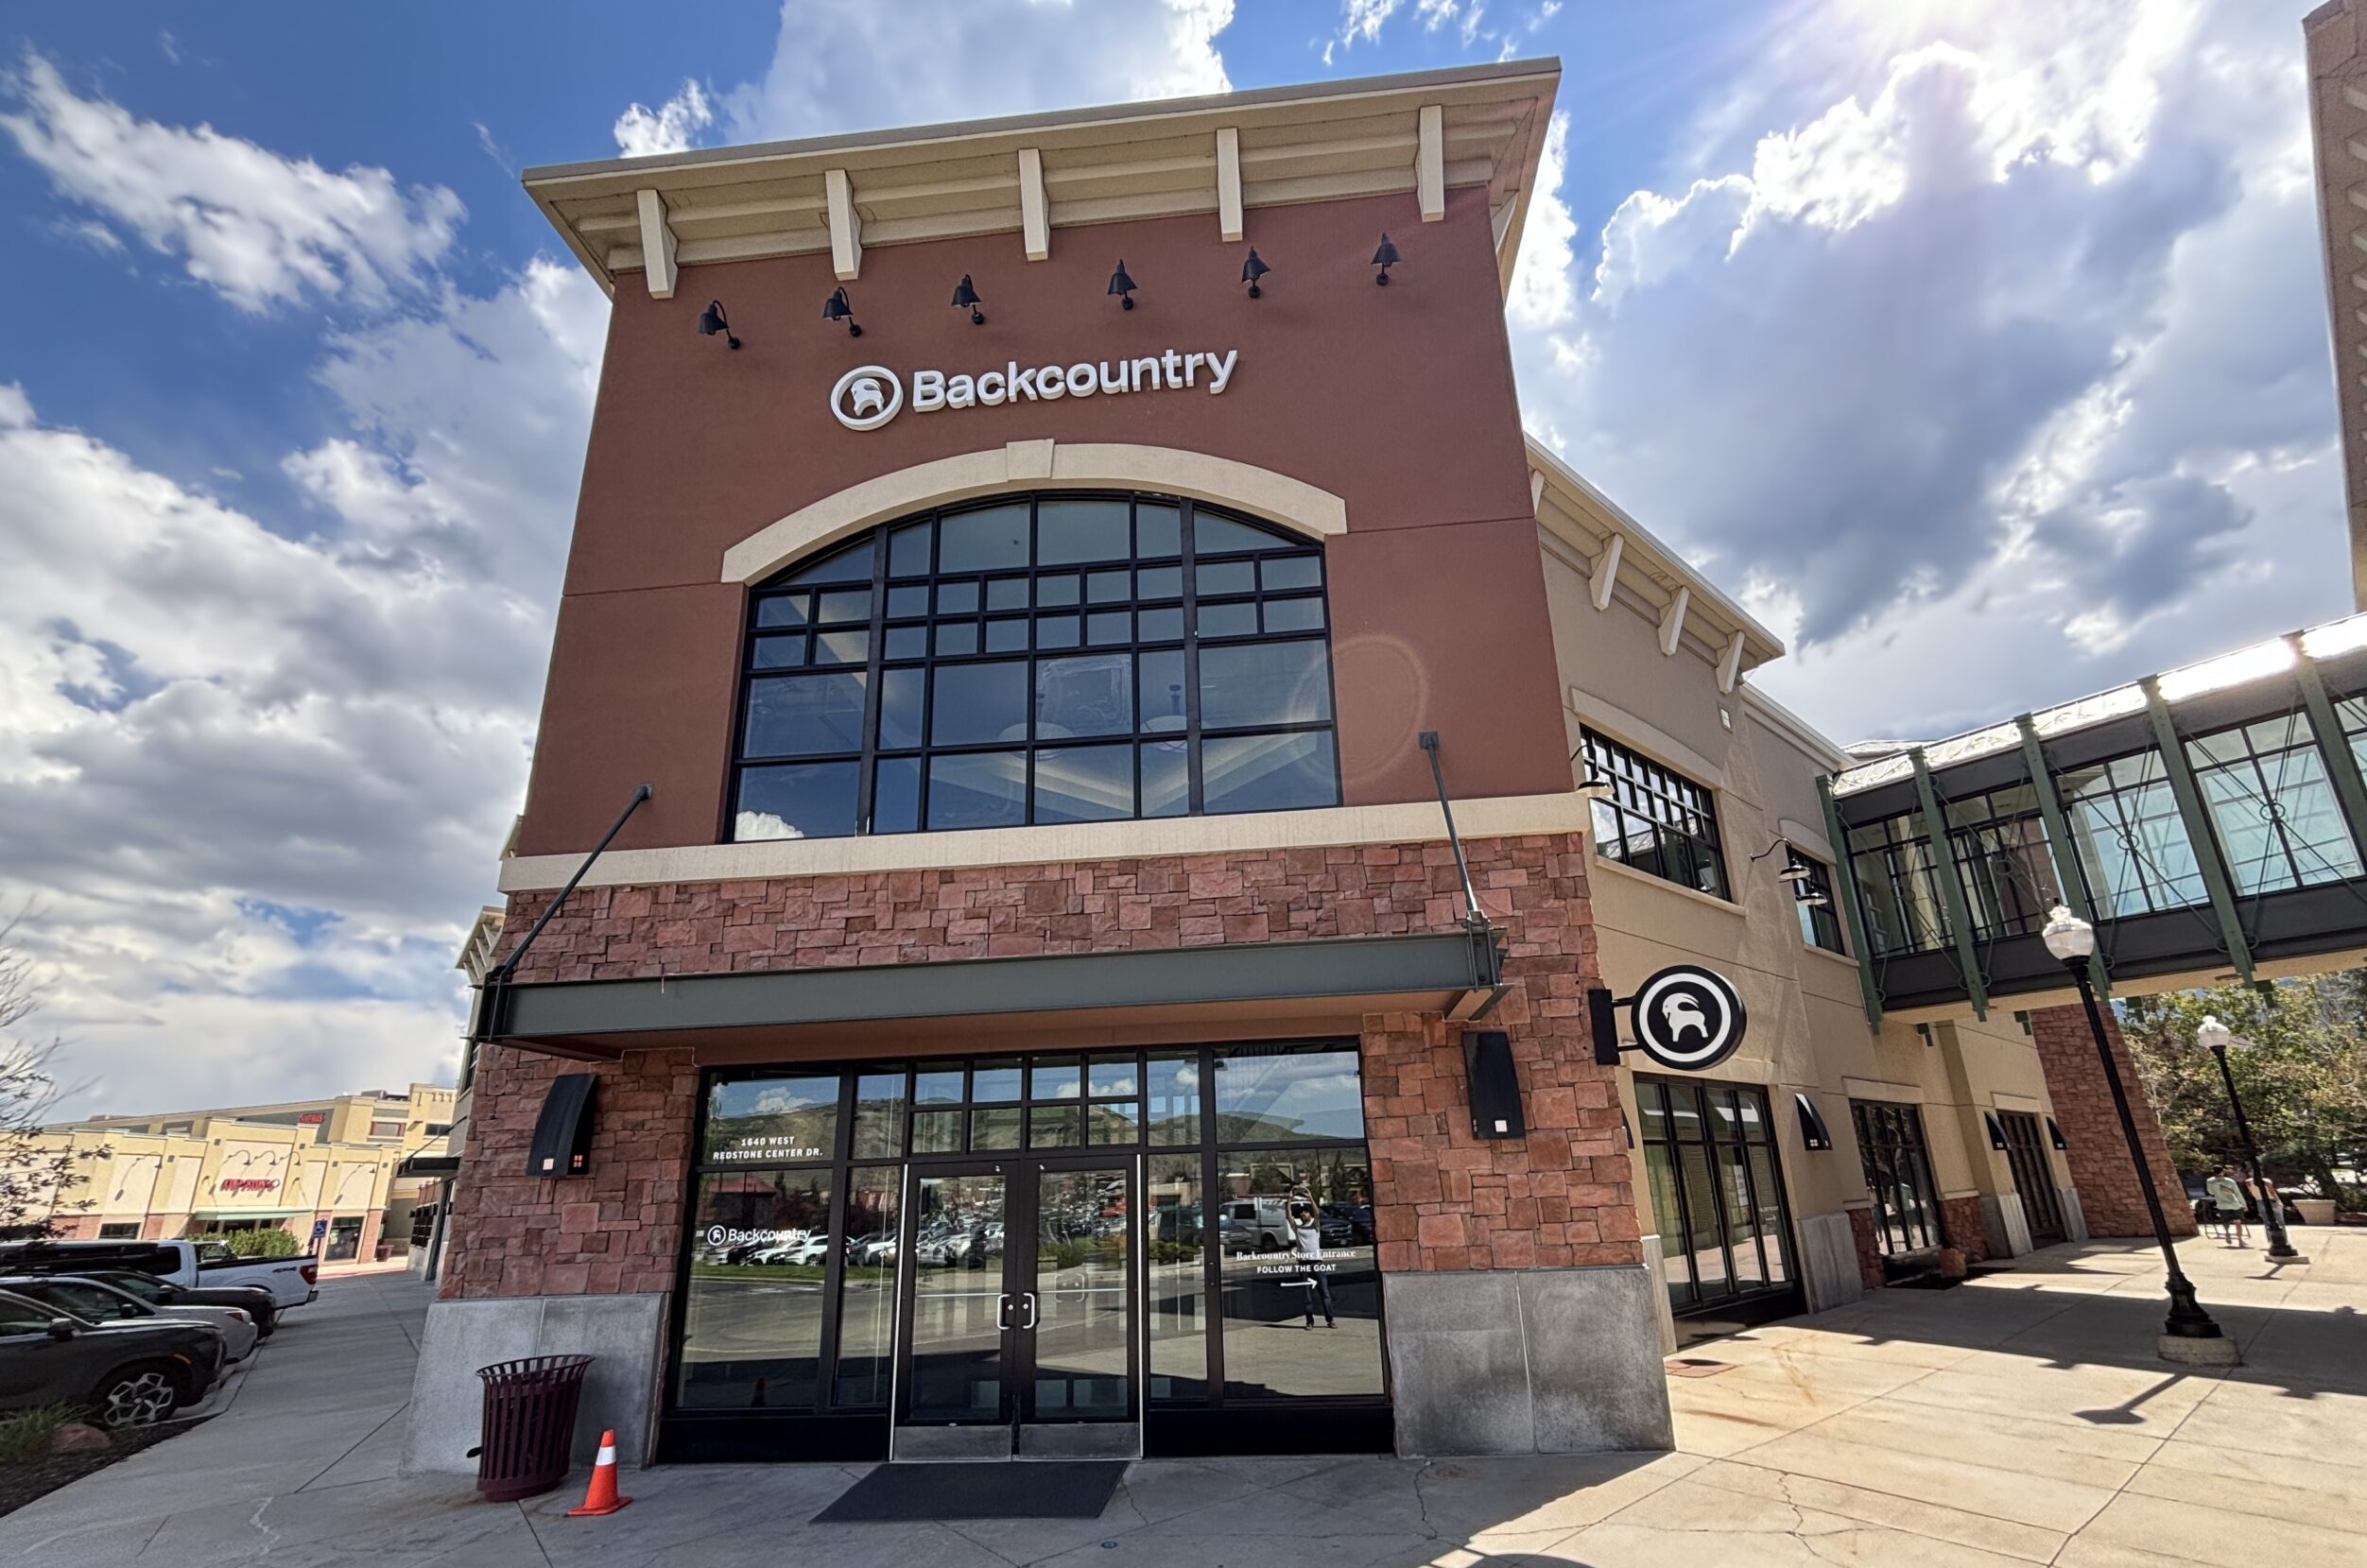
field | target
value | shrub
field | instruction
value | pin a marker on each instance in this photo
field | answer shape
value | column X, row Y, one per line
column 265, row 1241
column 25, row 1434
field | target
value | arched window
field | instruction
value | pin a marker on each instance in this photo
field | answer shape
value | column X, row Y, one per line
column 1056, row 658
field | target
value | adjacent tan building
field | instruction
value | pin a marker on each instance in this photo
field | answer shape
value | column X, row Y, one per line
column 327, row 1163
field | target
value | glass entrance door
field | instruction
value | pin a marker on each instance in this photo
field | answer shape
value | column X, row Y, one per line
column 1020, row 1312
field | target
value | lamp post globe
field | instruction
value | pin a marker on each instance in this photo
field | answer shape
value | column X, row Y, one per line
column 2216, row 1037
column 2072, row 940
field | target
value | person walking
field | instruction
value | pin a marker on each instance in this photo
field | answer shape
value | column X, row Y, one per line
column 1307, row 1246
column 2227, row 1197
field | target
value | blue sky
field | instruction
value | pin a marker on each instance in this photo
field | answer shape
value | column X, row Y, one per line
column 2003, row 321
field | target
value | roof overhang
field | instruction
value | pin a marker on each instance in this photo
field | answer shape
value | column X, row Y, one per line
column 1458, row 972
column 1422, row 132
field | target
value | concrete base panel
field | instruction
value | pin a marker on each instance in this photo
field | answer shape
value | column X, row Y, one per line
column 1656, row 1265
column 626, row 1335
column 2198, row 1352
column 1526, row 1361
column 1828, row 1262
column 2074, row 1217
column 2002, row 1217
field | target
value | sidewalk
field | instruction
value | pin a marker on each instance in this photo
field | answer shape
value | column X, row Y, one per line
column 2019, row 1419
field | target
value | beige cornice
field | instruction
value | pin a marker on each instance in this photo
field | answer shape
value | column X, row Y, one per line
column 1415, row 822
column 1030, row 176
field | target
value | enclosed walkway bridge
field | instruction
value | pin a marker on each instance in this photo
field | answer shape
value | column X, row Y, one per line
column 2211, row 821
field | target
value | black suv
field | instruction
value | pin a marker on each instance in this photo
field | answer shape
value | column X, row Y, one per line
column 254, row 1299
column 129, row 1374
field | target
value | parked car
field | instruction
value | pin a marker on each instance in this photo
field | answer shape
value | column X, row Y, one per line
column 129, row 1374
column 292, row 1281
column 100, row 1302
column 252, row 1300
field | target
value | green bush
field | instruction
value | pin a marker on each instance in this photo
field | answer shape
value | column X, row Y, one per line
column 265, row 1241
column 25, row 1434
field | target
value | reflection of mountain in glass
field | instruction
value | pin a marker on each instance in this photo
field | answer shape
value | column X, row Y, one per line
column 773, row 1119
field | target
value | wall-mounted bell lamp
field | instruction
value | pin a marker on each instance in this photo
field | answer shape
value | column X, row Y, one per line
column 1253, row 270
column 1123, row 286
column 839, row 308
column 1385, row 258
column 1594, row 787
column 711, row 320
column 965, row 295
column 1793, row 871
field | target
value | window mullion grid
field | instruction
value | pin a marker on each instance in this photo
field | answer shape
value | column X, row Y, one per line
column 1188, row 518
column 868, row 770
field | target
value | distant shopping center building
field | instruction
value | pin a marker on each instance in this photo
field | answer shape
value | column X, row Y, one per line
column 1041, row 1004
column 331, row 1164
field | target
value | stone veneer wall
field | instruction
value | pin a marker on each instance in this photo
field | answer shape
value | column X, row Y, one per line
column 2098, row 1151
column 1960, row 1218
column 1868, row 1248
column 1443, row 1200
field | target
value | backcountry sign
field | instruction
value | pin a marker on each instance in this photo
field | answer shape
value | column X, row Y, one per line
column 868, row 396
column 1684, row 1018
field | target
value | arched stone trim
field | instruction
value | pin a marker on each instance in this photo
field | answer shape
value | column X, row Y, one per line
column 1039, row 465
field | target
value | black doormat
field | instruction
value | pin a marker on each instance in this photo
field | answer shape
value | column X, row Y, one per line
column 1018, row 1489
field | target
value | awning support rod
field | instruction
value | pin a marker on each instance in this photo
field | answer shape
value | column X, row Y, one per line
column 499, row 976
column 1474, row 918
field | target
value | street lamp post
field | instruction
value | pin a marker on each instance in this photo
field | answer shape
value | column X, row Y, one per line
column 2214, row 1037
column 2189, row 1330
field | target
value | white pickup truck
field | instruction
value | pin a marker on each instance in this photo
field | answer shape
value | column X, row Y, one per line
column 292, row 1281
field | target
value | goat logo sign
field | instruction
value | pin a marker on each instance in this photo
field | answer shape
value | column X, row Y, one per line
column 867, row 397
column 1689, row 1018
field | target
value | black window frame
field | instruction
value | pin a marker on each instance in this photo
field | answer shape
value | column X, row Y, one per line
column 1894, row 1157
column 1189, row 639
column 1714, row 1136
column 1898, row 885
column 1654, row 806
column 2265, row 785
column 2003, row 860
column 1812, row 900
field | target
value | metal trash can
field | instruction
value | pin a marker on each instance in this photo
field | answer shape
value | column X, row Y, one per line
column 529, row 1425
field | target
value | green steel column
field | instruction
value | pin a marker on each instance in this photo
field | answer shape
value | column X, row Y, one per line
column 2199, row 830
column 2341, row 765
column 1951, row 887
column 2059, row 841
column 1845, row 876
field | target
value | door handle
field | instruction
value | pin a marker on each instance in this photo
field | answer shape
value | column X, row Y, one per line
column 1002, row 1313
column 1029, row 1296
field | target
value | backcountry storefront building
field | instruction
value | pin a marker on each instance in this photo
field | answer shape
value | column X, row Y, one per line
column 1040, row 1005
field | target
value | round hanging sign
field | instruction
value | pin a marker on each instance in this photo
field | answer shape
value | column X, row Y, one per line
column 1687, row 1018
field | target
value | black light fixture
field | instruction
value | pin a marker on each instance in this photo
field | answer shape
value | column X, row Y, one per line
column 1251, row 270
column 838, row 308
column 1997, row 1129
column 965, row 295
column 1385, row 258
column 1813, row 1132
column 711, row 322
column 2054, row 1133
column 1123, row 286
column 1795, row 870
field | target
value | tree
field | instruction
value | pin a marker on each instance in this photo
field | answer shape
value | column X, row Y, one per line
column 35, row 1171
column 2303, row 1075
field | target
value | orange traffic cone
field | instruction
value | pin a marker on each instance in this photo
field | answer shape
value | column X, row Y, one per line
column 600, row 1497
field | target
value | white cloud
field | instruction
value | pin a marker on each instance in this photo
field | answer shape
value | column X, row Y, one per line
column 854, row 64
column 2009, row 341
column 672, row 126
column 259, row 228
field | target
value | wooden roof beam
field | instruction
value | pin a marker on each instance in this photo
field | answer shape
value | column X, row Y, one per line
column 657, row 244
column 846, row 228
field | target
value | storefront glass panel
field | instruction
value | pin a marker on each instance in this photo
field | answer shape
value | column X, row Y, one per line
column 753, row 1308
column 1716, row 1191
column 1302, row 1315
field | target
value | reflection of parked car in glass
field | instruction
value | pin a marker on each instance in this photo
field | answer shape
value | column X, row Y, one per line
column 1347, row 1225
column 1180, row 1226
column 1256, row 1224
